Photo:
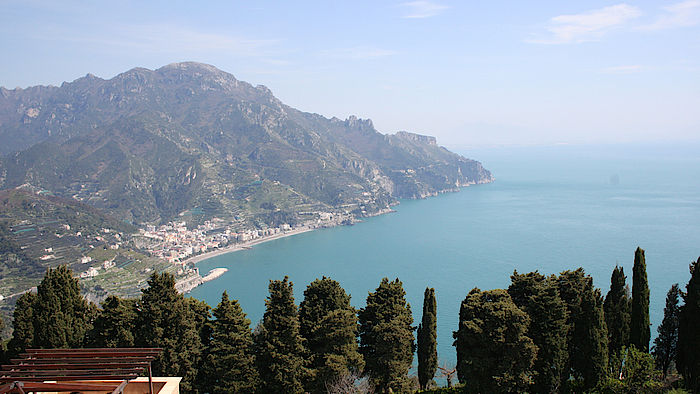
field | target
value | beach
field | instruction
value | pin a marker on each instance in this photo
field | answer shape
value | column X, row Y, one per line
column 245, row 245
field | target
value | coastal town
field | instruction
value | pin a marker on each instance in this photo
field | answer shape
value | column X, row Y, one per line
column 177, row 244
column 183, row 247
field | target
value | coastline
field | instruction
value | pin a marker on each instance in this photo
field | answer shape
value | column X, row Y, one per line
column 244, row 245
column 249, row 244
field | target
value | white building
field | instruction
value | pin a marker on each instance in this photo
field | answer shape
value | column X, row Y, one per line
column 91, row 272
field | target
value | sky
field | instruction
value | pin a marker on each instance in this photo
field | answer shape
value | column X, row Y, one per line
column 471, row 73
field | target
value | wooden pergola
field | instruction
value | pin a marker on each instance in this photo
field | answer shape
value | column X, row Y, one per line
column 77, row 370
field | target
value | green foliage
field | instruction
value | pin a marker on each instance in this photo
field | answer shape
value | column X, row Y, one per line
column 57, row 316
column 230, row 365
column 165, row 320
column 60, row 311
column 494, row 354
column 386, row 337
column 539, row 297
column 279, row 347
column 640, row 333
column 114, row 326
column 328, row 324
column 587, row 341
column 688, row 356
column 202, row 314
column 666, row 343
column 427, row 340
column 617, row 318
column 638, row 375
column 23, row 324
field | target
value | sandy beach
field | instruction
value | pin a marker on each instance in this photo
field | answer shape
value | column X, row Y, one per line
column 245, row 245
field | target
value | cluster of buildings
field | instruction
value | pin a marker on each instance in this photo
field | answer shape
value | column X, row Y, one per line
column 174, row 242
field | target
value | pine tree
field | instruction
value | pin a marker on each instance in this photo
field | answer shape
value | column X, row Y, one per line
column 539, row 297
column 386, row 337
column 114, row 326
column 666, row 343
column 640, row 332
column 164, row 319
column 617, row 318
column 688, row 355
column 278, row 345
column 587, row 341
column 494, row 354
column 202, row 315
column 60, row 313
column 230, row 364
column 328, row 324
column 23, row 325
column 427, row 340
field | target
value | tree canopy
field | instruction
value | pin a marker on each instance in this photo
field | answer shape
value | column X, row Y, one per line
column 386, row 336
column 230, row 363
column 640, row 333
column 165, row 320
column 538, row 296
column 427, row 340
column 688, row 355
column 279, row 347
column 328, row 324
column 617, row 318
column 494, row 354
column 666, row 343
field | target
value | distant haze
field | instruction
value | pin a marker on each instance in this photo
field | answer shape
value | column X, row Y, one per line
column 469, row 73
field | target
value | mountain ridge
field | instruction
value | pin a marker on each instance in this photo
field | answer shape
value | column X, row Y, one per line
column 148, row 145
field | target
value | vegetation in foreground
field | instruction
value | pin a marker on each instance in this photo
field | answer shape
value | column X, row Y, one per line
column 544, row 334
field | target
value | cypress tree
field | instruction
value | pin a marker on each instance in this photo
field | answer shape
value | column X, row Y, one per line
column 617, row 318
column 427, row 340
column 328, row 324
column 640, row 332
column 164, row 319
column 279, row 346
column 494, row 354
column 688, row 355
column 386, row 337
column 114, row 326
column 538, row 296
column 594, row 358
column 587, row 341
column 23, row 325
column 60, row 313
column 230, row 364
column 665, row 345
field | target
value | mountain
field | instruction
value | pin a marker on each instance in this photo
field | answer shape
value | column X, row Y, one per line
column 188, row 140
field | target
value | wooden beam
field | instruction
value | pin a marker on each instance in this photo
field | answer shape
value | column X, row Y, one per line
column 68, row 378
column 130, row 364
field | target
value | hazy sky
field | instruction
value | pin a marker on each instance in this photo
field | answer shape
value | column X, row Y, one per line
column 468, row 72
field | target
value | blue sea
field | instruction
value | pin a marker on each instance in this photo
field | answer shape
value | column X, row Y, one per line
column 550, row 209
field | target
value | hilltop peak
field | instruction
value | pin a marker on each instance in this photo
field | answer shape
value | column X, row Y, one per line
column 191, row 66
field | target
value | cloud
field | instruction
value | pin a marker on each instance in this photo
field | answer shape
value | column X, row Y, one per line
column 587, row 26
column 628, row 69
column 683, row 14
column 358, row 53
column 422, row 9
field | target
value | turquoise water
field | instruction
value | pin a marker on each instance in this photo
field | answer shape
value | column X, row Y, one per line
column 550, row 209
